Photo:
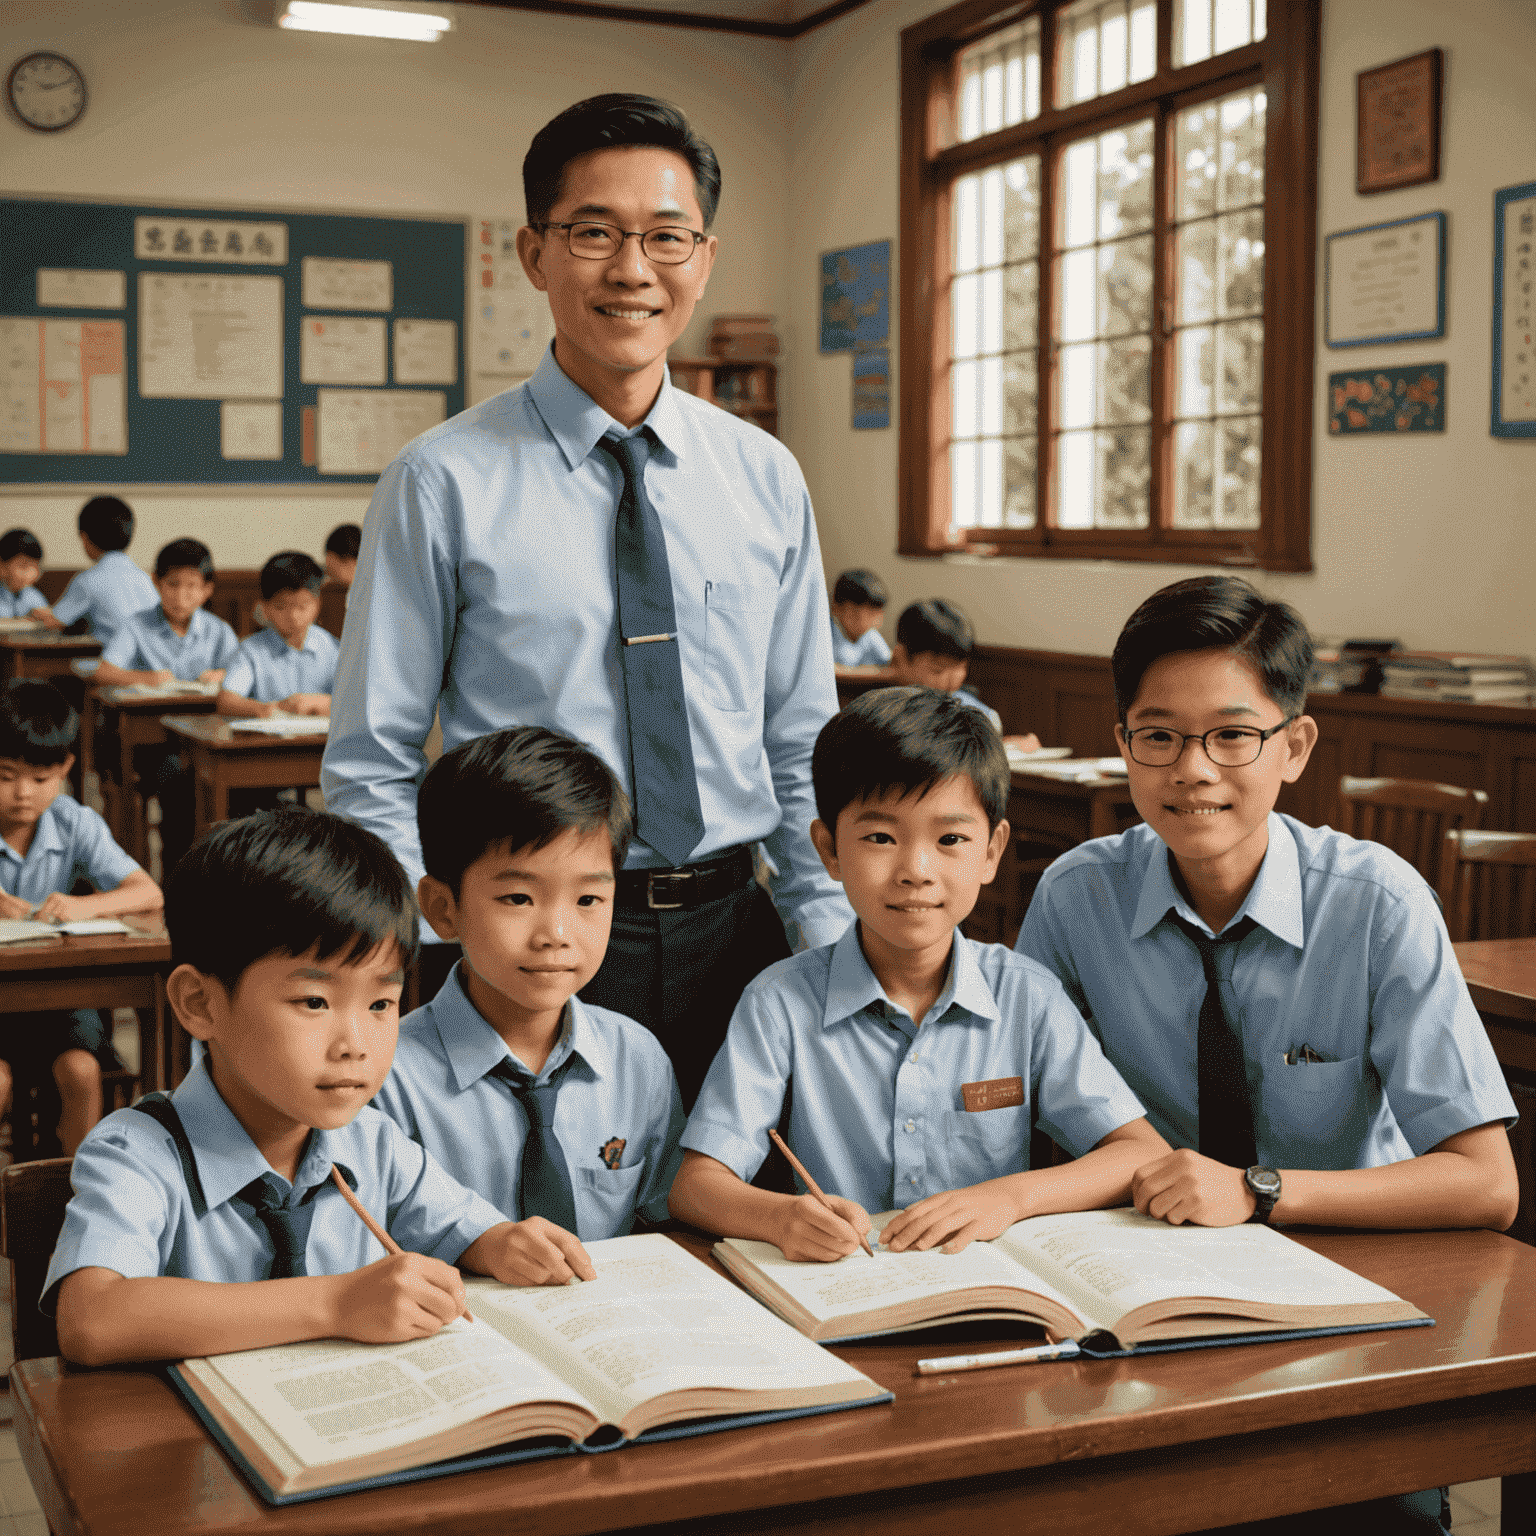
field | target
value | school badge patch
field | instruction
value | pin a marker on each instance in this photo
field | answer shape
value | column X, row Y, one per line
column 611, row 1151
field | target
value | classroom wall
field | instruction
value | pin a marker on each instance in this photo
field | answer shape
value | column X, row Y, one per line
column 192, row 102
column 1430, row 538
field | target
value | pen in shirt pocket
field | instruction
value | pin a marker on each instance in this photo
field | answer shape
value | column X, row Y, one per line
column 1300, row 1056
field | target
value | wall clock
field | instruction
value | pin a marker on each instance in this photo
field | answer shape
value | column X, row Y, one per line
column 46, row 91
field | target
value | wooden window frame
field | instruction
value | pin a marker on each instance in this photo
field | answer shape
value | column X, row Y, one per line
column 1286, row 63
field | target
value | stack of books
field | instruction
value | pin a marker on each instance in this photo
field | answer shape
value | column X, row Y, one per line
column 1461, row 677
column 1348, row 666
column 743, row 339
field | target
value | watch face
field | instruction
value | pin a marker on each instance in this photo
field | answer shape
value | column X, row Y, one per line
column 46, row 91
column 1263, row 1181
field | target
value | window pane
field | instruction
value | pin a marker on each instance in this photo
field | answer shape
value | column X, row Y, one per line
column 1021, row 208
column 966, row 215
column 1125, row 180
column 998, row 81
column 1019, row 482
column 989, row 485
column 1242, row 150
column 990, row 391
column 991, row 310
column 1021, row 300
column 1205, row 27
column 1240, row 251
column 1196, row 371
column 1193, row 464
column 1125, row 380
column 1125, row 286
column 1103, row 46
column 1239, row 503
column 1196, row 159
column 1074, row 480
column 1242, row 365
column 1124, row 475
column 1196, row 271
column 965, row 317
column 965, row 414
column 1076, row 279
column 1076, row 370
column 1021, row 377
column 962, row 485
column 1081, row 193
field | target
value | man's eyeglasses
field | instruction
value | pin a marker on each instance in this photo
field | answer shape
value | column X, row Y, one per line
column 1228, row 746
column 670, row 244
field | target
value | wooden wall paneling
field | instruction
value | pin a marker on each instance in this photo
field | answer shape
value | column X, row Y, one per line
column 1431, row 749
column 1520, row 794
column 1522, row 1142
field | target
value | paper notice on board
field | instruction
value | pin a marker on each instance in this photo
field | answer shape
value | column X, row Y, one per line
column 426, row 352
column 251, row 429
column 341, row 349
column 329, row 284
column 77, row 288
column 208, row 336
column 62, row 386
column 510, row 324
column 361, row 430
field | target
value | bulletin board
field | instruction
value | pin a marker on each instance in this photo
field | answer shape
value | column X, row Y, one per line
column 164, row 346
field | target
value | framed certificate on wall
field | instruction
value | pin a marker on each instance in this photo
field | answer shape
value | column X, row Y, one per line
column 1514, row 311
column 1385, row 282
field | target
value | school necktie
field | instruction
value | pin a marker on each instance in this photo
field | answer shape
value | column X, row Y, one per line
column 287, row 1227
column 1226, row 1116
column 544, row 1181
column 668, row 816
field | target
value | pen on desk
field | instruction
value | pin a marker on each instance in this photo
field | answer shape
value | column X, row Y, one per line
column 1066, row 1350
column 812, row 1185
column 389, row 1244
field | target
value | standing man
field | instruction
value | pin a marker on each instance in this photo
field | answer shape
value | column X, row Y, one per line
column 602, row 554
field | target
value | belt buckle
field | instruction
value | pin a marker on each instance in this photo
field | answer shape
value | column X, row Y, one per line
column 651, row 881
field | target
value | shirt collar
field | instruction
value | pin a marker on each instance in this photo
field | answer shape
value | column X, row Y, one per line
column 852, row 985
column 576, row 421
column 50, row 836
column 281, row 646
column 1273, row 901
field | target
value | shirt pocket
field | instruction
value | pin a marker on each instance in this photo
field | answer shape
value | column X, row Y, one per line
column 606, row 1199
column 738, row 623
column 986, row 1145
column 1317, row 1111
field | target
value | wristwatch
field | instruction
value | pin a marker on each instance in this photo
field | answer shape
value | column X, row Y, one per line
column 1264, row 1185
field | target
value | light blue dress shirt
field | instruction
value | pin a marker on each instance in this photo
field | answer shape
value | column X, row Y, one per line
column 869, row 650
column 266, row 668
column 71, row 843
column 19, row 605
column 972, row 702
column 132, row 1211
column 618, row 1115
column 877, row 1114
column 147, row 643
column 1350, row 957
column 109, row 593
column 485, row 591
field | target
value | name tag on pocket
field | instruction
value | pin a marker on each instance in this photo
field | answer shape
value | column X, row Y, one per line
column 995, row 1093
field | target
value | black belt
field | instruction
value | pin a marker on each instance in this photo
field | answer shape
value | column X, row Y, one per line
column 687, row 885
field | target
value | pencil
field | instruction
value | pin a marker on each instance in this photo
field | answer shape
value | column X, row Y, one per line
column 812, row 1185
column 389, row 1244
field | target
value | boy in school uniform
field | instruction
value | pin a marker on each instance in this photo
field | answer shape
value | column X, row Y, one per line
column 21, row 567
column 114, row 588
column 48, row 842
column 210, row 1220
column 288, row 667
column 564, row 1115
column 1283, row 998
column 858, row 610
column 934, row 641
column 341, row 548
column 919, row 1061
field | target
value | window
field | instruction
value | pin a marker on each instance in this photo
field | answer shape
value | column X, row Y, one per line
column 1106, row 349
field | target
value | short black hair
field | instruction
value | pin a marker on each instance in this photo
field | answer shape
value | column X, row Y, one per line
column 1216, row 613
column 934, row 626
column 908, row 739
column 107, row 521
column 517, row 788
column 860, row 586
column 286, row 882
column 20, row 541
column 344, row 541
column 614, row 121
column 184, row 555
column 291, row 571
column 37, row 723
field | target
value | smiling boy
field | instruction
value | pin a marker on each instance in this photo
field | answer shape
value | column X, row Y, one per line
column 920, row 1061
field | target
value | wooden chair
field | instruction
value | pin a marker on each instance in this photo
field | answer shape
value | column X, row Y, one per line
column 1488, row 884
column 32, row 1201
column 1411, row 816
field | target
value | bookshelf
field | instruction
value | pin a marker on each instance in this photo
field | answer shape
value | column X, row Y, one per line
column 747, row 389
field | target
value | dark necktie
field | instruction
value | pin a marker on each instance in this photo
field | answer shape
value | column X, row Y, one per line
column 544, row 1181
column 1226, row 1116
column 667, row 813
column 287, row 1226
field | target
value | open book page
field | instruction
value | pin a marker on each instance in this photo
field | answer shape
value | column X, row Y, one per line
column 658, row 1321
column 331, row 1400
column 178, row 686
column 282, row 725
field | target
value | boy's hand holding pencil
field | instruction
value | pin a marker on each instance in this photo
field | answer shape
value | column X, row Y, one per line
column 820, row 1226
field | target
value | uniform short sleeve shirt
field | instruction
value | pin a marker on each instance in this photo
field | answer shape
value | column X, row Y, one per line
column 18, row 605
column 266, row 668
column 869, row 650
column 147, row 643
column 109, row 593
column 71, row 843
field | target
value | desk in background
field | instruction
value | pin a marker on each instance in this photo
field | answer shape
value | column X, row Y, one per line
column 224, row 759
column 1145, row 1447
column 47, row 654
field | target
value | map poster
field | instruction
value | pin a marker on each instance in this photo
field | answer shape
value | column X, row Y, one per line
column 856, row 297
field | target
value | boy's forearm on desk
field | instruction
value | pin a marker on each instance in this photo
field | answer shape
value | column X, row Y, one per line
column 237, row 704
column 1097, row 1179
column 708, row 1194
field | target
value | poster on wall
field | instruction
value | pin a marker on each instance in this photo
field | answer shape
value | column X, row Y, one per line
column 1514, row 311
column 1408, row 399
column 856, row 297
column 1385, row 282
column 871, row 389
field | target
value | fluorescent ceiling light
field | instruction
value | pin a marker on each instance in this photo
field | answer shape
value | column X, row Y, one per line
column 363, row 21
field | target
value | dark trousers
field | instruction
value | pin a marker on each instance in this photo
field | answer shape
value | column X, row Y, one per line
column 1409, row 1514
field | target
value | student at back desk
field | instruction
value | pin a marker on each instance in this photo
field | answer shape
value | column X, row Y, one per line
column 21, row 567
column 114, row 588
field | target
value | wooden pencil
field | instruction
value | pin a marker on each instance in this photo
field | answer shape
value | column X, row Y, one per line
column 813, row 1186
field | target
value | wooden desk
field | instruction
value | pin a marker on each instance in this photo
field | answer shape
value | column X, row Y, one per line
column 1144, row 1447
column 852, row 681
column 101, row 971
column 223, row 759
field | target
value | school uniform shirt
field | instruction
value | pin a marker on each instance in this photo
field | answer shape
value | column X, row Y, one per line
column 1349, row 956
column 71, row 842
column 961, row 696
column 109, row 593
column 19, row 605
column 618, row 1114
column 486, row 593
column 134, row 1211
column 877, row 1112
column 869, row 650
column 266, row 668
column 147, row 643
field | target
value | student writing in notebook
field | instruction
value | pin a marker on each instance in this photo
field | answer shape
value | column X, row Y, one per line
column 916, row 1062
column 858, row 610
column 211, row 1220
column 564, row 1115
column 290, row 666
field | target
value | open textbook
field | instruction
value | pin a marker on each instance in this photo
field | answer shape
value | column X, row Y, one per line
column 24, row 930
column 657, row 1345
column 282, row 724
column 1114, row 1281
